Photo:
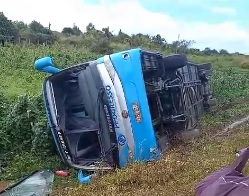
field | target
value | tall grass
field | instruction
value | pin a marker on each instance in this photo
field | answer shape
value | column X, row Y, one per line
column 18, row 77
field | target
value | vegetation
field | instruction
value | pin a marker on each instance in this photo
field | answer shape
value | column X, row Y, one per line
column 176, row 174
column 25, row 142
column 97, row 41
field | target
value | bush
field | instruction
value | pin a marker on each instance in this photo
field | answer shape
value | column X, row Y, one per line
column 25, row 128
column 101, row 46
column 229, row 85
column 4, row 140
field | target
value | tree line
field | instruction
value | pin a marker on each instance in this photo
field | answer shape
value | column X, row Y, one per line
column 100, row 41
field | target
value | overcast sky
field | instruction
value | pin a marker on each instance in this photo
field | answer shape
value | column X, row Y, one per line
column 211, row 23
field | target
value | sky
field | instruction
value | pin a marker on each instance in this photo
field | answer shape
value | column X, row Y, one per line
column 218, row 24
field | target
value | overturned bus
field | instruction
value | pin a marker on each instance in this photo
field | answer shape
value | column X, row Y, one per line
column 122, row 107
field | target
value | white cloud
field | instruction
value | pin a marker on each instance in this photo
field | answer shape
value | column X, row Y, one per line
column 200, row 2
column 129, row 16
column 224, row 10
column 189, row 2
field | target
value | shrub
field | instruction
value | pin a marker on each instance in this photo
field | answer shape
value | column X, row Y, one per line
column 26, row 124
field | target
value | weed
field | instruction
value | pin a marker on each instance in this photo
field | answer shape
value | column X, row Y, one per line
column 22, row 118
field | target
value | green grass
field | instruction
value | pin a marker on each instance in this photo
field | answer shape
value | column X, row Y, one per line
column 230, row 82
column 226, row 115
column 175, row 174
column 17, row 73
column 180, row 169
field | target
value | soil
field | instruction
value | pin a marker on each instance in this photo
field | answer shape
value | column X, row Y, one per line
column 3, row 185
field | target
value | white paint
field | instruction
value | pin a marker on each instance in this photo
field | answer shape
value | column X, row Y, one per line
column 121, row 98
column 107, row 81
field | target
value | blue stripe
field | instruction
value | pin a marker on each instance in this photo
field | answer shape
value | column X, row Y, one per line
column 129, row 71
column 100, row 60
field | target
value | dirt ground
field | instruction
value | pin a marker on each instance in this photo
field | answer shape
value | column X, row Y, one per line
column 3, row 185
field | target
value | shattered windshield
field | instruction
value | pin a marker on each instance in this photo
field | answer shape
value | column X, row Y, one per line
column 37, row 184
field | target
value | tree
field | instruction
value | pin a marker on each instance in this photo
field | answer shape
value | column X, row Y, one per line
column 36, row 27
column 140, row 40
column 207, row 51
column 76, row 30
column 67, row 31
column 25, row 33
column 123, row 37
column 194, row 51
column 158, row 40
column 238, row 53
column 224, row 52
column 90, row 27
column 101, row 46
column 181, row 46
column 7, row 28
column 107, row 32
column 214, row 51
column 20, row 25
